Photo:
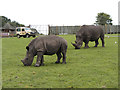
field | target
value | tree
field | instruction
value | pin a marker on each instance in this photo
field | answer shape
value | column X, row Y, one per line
column 103, row 18
column 6, row 20
column 16, row 24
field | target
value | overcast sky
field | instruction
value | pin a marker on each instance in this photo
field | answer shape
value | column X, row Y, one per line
column 58, row 12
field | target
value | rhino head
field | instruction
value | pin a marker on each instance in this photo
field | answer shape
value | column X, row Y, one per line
column 27, row 61
column 78, row 42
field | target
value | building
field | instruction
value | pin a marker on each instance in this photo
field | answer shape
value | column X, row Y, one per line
column 7, row 30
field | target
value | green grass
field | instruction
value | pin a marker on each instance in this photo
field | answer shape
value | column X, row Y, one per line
column 85, row 68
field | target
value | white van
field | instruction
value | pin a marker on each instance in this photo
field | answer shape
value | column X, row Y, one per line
column 24, row 32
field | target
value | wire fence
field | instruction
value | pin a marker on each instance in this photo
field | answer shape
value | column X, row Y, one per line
column 111, row 29
column 41, row 29
column 58, row 30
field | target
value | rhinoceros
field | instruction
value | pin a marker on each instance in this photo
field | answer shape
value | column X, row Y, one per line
column 45, row 45
column 88, row 33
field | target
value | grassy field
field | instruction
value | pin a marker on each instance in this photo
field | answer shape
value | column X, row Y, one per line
column 85, row 68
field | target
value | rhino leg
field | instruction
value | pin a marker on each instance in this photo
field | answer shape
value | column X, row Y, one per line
column 96, row 43
column 102, row 39
column 86, row 44
column 39, row 61
column 42, row 60
column 64, row 57
column 58, row 57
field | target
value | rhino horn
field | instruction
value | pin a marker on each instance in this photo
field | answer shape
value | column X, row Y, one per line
column 22, row 61
column 73, row 44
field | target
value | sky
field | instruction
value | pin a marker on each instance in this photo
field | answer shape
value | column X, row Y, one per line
column 58, row 12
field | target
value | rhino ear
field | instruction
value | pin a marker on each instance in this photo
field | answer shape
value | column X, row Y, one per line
column 27, row 48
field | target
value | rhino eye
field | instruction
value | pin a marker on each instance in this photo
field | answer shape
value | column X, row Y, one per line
column 27, row 48
column 29, row 55
column 77, row 36
column 26, row 58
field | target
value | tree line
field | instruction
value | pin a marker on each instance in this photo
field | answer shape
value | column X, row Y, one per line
column 5, row 20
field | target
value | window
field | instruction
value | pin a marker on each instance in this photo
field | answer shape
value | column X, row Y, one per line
column 27, row 28
column 18, row 29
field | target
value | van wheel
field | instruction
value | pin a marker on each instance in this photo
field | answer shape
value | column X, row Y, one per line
column 27, row 36
column 18, row 36
column 33, row 35
column 24, row 36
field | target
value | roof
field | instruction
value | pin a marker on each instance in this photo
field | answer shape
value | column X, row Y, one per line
column 8, row 26
column 20, row 27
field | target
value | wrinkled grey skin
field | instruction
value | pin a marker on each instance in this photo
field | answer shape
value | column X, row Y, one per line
column 45, row 45
column 88, row 33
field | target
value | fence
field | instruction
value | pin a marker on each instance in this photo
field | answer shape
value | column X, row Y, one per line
column 63, row 29
column 111, row 29
column 58, row 30
column 42, row 29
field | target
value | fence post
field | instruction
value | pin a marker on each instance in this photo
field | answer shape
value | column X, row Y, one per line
column 56, row 30
column 63, row 29
column 117, row 29
column 109, row 28
column 49, row 30
column 105, row 29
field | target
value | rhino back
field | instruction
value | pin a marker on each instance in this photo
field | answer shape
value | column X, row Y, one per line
column 49, row 44
column 91, row 32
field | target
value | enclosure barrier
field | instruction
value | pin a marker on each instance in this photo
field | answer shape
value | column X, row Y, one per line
column 58, row 30
column 0, row 63
column 111, row 29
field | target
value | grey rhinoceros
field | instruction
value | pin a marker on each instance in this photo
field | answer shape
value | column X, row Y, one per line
column 88, row 33
column 45, row 45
